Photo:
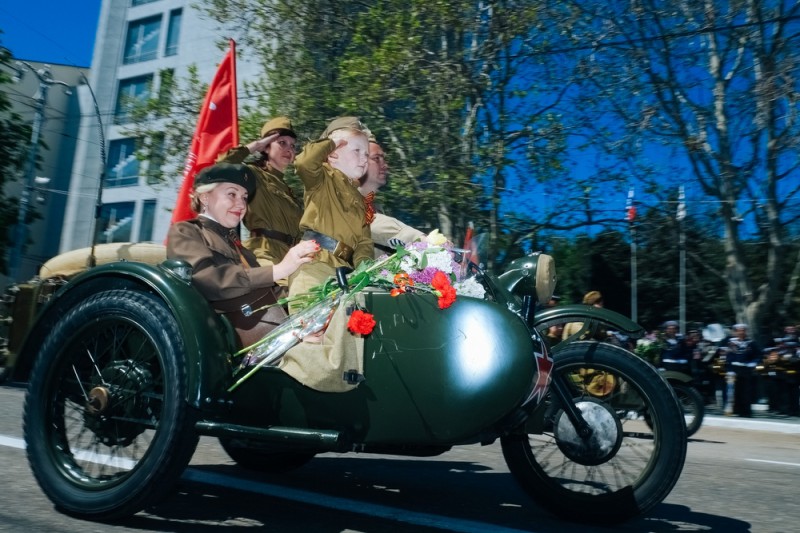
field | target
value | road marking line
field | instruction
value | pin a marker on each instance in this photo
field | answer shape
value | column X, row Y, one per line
column 772, row 462
column 344, row 504
column 11, row 442
column 323, row 500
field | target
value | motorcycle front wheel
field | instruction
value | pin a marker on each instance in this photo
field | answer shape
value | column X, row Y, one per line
column 634, row 455
column 107, row 427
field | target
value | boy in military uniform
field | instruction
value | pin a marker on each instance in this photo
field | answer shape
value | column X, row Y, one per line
column 335, row 215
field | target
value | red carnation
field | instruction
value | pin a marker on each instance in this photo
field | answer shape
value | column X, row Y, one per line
column 361, row 323
column 447, row 298
column 445, row 291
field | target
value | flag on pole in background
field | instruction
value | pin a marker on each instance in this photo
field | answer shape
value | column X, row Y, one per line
column 681, row 213
column 630, row 209
column 217, row 131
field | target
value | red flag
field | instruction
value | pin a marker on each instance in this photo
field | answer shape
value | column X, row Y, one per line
column 630, row 207
column 217, row 131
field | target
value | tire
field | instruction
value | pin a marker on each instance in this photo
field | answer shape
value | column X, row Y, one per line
column 693, row 405
column 106, row 423
column 628, row 466
column 259, row 457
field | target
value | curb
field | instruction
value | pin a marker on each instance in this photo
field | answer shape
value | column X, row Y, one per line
column 749, row 423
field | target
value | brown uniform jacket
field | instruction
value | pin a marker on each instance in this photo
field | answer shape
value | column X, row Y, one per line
column 333, row 204
column 221, row 277
column 274, row 207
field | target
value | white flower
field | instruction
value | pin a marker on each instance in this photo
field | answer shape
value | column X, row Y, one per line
column 440, row 259
column 435, row 238
column 470, row 287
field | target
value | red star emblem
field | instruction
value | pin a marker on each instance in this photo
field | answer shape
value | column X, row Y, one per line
column 544, row 367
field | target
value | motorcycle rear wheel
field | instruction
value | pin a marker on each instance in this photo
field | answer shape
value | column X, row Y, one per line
column 107, row 427
column 693, row 405
column 629, row 465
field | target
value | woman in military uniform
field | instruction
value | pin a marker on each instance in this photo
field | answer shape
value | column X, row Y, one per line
column 223, row 270
column 273, row 218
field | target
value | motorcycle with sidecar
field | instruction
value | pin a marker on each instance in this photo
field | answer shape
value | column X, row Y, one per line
column 127, row 366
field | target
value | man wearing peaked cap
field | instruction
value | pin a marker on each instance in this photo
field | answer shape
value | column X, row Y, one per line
column 228, row 173
column 353, row 123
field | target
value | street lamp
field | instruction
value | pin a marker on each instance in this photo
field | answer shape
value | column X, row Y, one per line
column 21, row 230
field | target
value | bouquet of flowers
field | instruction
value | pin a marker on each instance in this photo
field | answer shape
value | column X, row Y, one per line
column 428, row 265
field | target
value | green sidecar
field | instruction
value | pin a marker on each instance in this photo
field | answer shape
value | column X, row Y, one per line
column 127, row 366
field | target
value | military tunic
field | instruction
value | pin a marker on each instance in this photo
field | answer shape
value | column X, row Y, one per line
column 333, row 204
column 384, row 228
column 274, row 207
column 220, row 275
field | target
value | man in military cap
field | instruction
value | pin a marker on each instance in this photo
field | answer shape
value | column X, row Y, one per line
column 742, row 358
column 273, row 218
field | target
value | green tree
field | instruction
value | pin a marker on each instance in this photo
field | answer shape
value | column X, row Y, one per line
column 705, row 96
column 14, row 140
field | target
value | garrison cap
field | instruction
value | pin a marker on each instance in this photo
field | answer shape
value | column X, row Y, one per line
column 592, row 297
column 671, row 323
column 280, row 125
column 739, row 326
column 228, row 173
column 346, row 122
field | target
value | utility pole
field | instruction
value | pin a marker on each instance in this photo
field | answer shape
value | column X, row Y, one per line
column 21, row 230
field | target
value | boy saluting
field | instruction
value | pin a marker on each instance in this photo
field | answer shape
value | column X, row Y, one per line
column 335, row 214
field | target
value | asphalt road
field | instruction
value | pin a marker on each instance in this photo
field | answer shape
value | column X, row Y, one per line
column 740, row 475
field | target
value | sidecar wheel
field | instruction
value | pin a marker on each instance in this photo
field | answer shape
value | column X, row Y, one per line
column 260, row 458
column 629, row 465
column 106, row 424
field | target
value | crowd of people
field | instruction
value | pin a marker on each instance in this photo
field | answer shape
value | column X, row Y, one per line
column 730, row 368
column 726, row 365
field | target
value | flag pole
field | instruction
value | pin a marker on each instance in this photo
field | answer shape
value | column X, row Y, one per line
column 630, row 216
column 681, row 215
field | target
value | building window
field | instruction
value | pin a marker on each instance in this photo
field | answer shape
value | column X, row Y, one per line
column 122, row 167
column 142, row 41
column 135, row 3
column 131, row 92
column 173, row 32
column 114, row 224
column 148, row 218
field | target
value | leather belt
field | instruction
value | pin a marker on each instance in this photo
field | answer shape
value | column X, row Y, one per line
column 273, row 234
column 337, row 248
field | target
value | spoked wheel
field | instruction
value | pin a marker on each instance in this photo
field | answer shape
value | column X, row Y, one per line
column 693, row 405
column 106, row 422
column 627, row 465
column 260, row 457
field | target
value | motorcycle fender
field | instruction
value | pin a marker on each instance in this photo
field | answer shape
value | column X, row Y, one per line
column 587, row 313
column 208, row 338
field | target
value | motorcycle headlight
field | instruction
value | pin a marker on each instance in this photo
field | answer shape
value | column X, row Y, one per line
column 534, row 274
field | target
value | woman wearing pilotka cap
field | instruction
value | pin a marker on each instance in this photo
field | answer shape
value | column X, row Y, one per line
column 273, row 218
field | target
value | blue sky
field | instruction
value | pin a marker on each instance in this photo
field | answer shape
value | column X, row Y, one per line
column 50, row 31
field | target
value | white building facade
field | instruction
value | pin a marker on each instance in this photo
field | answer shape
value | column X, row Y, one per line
column 138, row 44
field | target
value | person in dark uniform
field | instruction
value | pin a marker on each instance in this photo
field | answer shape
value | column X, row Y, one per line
column 226, row 273
column 742, row 358
column 273, row 217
